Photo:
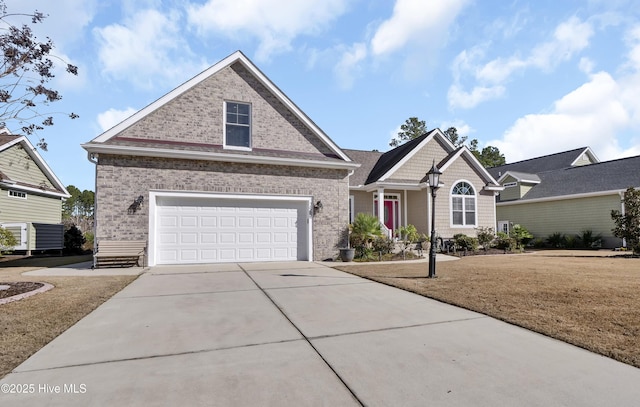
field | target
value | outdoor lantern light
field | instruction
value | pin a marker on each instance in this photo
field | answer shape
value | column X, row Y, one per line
column 317, row 208
column 434, row 183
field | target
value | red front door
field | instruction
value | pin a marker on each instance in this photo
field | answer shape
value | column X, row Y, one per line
column 390, row 211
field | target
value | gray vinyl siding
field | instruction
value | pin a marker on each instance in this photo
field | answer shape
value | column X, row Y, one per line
column 35, row 208
column 568, row 216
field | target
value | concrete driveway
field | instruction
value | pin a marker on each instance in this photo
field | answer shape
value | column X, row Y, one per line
column 303, row 334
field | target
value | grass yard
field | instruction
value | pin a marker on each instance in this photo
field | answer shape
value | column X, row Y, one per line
column 586, row 298
column 29, row 324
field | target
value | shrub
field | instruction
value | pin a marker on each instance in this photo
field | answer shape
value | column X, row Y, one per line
column 590, row 240
column 572, row 242
column 407, row 234
column 504, row 241
column 556, row 240
column 382, row 245
column 73, row 240
column 521, row 236
column 539, row 243
column 365, row 229
column 486, row 235
column 464, row 242
column 7, row 240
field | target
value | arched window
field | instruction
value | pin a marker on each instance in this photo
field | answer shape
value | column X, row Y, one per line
column 463, row 204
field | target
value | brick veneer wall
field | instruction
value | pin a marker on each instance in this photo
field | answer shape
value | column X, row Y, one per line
column 196, row 116
column 121, row 179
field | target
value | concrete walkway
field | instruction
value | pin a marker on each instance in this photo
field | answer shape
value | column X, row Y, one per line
column 303, row 334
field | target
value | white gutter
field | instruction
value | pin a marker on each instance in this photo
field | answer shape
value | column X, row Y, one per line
column 561, row 197
column 209, row 156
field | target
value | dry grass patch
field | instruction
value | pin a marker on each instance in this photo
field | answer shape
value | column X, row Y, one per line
column 591, row 302
column 29, row 324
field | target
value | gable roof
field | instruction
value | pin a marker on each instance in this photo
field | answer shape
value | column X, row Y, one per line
column 98, row 145
column 378, row 167
column 600, row 178
column 7, row 141
column 520, row 177
column 549, row 162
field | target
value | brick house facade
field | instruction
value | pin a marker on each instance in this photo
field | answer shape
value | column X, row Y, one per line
column 176, row 147
column 225, row 168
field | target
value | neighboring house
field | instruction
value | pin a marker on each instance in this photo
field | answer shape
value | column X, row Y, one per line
column 393, row 186
column 224, row 168
column 30, row 196
column 567, row 192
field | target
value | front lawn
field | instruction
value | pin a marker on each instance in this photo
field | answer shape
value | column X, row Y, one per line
column 589, row 300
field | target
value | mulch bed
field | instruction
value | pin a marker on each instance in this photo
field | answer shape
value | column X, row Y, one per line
column 20, row 287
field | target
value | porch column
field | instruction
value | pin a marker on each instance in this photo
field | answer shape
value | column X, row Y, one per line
column 380, row 213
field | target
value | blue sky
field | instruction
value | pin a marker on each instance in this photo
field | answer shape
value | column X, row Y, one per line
column 529, row 77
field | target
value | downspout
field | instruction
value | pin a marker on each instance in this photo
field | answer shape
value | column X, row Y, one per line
column 92, row 157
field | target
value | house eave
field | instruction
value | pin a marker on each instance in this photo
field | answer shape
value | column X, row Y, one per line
column 561, row 197
column 393, row 185
column 211, row 156
column 18, row 187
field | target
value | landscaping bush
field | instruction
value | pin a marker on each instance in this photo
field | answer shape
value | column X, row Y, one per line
column 504, row 242
column 365, row 229
column 521, row 236
column 464, row 242
column 590, row 240
column 539, row 243
column 557, row 240
column 73, row 240
column 7, row 240
column 382, row 245
column 485, row 236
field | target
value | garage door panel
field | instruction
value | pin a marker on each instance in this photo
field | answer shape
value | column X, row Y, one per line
column 209, row 238
column 245, row 222
column 228, row 221
column 227, row 238
column 168, row 221
column 168, row 238
column 208, row 221
column 245, row 238
column 230, row 230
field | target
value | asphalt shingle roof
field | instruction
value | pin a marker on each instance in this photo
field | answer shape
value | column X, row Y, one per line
column 604, row 176
column 367, row 160
column 539, row 164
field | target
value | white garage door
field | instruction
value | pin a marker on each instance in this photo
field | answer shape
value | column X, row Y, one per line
column 217, row 230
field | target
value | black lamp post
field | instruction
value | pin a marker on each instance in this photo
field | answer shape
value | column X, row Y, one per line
column 434, row 183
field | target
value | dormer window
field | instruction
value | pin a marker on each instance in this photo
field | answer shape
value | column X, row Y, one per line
column 237, row 129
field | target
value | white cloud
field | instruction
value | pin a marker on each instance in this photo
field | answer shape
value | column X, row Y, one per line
column 569, row 38
column 111, row 117
column 591, row 115
column 458, row 97
column 275, row 23
column 146, row 48
column 414, row 21
column 350, row 64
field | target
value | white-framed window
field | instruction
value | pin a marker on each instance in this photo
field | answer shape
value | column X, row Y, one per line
column 17, row 194
column 463, row 204
column 237, row 125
